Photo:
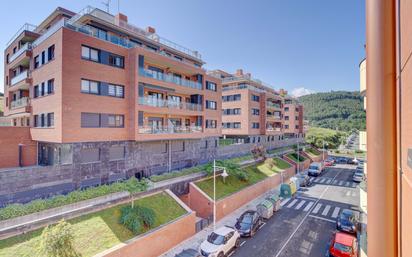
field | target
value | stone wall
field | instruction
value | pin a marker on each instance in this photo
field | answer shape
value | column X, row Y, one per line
column 142, row 159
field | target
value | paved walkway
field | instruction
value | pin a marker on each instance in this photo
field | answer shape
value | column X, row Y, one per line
column 230, row 220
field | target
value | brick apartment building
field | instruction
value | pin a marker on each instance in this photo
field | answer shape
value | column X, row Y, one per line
column 252, row 109
column 95, row 89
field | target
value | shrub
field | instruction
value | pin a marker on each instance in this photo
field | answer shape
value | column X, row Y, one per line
column 16, row 210
column 136, row 218
column 57, row 241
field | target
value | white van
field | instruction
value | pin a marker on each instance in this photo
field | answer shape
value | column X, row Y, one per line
column 315, row 169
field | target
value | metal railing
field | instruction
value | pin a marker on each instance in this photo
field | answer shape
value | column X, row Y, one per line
column 272, row 105
column 25, row 27
column 22, row 49
column 155, row 102
column 273, row 129
column 170, row 129
column 248, row 78
column 49, row 32
column 170, row 78
column 243, row 86
column 22, row 76
column 22, row 102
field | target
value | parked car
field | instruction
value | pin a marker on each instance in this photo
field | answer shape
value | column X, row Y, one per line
column 248, row 223
column 358, row 176
column 188, row 253
column 343, row 245
column 303, row 179
column 220, row 242
column 342, row 160
column 315, row 169
column 328, row 162
column 348, row 221
column 352, row 161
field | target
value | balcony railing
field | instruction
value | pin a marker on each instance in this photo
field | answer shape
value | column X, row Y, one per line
column 273, row 129
column 170, row 130
column 25, row 27
column 243, row 86
column 22, row 76
column 170, row 78
column 23, row 49
column 155, row 102
column 22, row 102
column 272, row 105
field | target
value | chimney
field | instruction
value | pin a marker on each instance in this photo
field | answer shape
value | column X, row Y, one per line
column 120, row 18
column 150, row 30
column 239, row 72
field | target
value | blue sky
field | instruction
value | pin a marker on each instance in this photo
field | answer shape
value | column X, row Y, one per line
column 314, row 44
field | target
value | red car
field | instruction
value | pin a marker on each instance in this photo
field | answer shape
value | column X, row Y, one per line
column 328, row 163
column 343, row 245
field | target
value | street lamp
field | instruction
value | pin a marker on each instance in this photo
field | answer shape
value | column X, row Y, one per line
column 298, row 159
column 224, row 175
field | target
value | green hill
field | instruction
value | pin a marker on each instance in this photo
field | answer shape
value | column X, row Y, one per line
column 340, row 110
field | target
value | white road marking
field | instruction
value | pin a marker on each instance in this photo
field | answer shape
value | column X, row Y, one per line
column 353, row 184
column 311, row 179
column 285, row 201
column 335, row 212
column 308, row 206
column 303, row 220
column 306, row 198
column 335, row 182
column 261, row 226
column 292, row 203
column 317, row 180
column 328, row 181
column 300, row 205
column 320, row 218
column 244, row 242
column 322, row 180
column 347, row 184
column 231, row 253
column 326, row 210
column 317, row 208
column 340, row 183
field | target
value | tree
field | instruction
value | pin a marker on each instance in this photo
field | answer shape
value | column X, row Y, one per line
column 258, row 152
column 57, row 241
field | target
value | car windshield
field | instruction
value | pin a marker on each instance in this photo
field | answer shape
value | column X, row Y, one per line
column 313, row 167
column 343, row 248
column 216, row 239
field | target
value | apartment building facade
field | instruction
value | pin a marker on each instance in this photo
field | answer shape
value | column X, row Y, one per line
column 362, row 84
column 293, row 117
column 107, row 98
column 250, row 108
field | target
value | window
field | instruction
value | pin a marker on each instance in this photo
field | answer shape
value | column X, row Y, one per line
column 50, row 53
column 231, row 98
column 90, row 155
column 211, row 86
column 117, row 152
column 229, row 125
column 297, row 127
column 44, row 120
column 7, row 58
column 115, row 90
column 100, row 120
column 255, row 125
column 89, row 87
column 50, row 86
column 286, row 117
column 36, row 62
column 43, row 57
column 211, row 105
column 235, row 111
column 296, row 117
column 211, row 123
column 116, row 61
column 90, row 53
column 50, row 120
column 286, row 126
column 255, row 98
column 65, row 154
column 255, row 111
column 286, row 109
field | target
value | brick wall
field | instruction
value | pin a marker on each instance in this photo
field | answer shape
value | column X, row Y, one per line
column 10, row 138
column 302, row 165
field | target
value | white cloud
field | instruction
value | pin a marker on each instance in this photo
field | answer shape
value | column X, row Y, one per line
column 301, row 91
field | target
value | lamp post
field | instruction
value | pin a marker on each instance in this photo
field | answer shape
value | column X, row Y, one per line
column 224, row 175
column 298, row 159
column 323, row 141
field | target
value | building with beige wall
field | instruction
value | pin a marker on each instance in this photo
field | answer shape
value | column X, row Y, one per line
column 293, row 117
column 92, row 84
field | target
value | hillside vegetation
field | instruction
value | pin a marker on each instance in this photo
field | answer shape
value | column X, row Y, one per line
column 339, row 110
column 332, row 138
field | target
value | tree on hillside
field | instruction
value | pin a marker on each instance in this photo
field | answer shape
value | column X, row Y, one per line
column 57, row 241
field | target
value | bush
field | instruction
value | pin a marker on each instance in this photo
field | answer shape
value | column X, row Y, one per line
column 136, row 218
column 16, row 210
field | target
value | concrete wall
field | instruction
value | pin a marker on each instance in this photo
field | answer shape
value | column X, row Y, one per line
column 198, row 201
column 10, row 138
column 302, row 165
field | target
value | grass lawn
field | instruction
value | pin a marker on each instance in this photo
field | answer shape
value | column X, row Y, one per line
column 294, row 157
column 312, row 152
column 232, row 184
column 349, row 153
column 281, row 149
column 97, row 231
column 177, row 173
column 227, row 141
column 280, row 165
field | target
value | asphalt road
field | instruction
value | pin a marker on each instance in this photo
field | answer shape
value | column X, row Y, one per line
column 306, row 222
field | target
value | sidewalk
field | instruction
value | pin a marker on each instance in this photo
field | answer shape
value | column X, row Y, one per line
column 230, row 220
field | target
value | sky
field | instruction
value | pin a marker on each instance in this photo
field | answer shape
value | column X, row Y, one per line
column 300, row 45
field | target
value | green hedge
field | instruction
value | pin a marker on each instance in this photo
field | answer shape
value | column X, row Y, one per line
column 16, row 210
column 178, row 173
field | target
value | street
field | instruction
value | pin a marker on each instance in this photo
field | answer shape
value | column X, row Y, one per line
column 305, row 224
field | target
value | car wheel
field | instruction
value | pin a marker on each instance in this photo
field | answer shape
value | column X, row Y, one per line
column 221, row 254
column 237, row 243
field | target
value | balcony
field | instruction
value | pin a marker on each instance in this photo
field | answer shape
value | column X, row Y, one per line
column 23, row 49
column 154, row 102
column 273, row 129
column 273, row 105
column 24, row 75
column 170, row 130
column 170, row 78
column 22, row 102
column 25, row 27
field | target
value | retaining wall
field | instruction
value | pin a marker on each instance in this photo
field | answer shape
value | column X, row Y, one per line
column 302, row 165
